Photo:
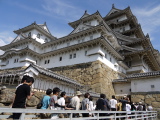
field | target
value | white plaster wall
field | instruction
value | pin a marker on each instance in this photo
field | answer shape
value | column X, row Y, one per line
column 11, row 63
column 80, row 58
column 122, row 88
column 72, row 42
column 120, row 29
column 144, row 85
column 44, row 84
column 34, row 36
column 35, row 48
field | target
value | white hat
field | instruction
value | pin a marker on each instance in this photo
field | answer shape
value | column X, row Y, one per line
column 78, row 93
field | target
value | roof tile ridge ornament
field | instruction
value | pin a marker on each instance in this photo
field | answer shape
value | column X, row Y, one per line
column 113, row 6
column 147, row 35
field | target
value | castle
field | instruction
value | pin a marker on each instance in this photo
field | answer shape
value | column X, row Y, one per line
column 107, row 54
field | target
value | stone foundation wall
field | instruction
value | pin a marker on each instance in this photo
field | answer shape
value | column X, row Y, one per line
column 148, row 98
column 95, row 75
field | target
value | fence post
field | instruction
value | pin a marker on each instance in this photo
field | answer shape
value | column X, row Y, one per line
column 71, row 116
column 98, row 116
column 22, row 116
column 115, row 116
column 136, row 115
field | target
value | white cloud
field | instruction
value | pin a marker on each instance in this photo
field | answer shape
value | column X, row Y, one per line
column 62, row 9
column 5, row 38
column 149, row 18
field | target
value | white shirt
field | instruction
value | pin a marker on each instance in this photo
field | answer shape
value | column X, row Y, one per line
column 91, row 106
column 75, row 102
column 128, row 108
column 61, row 101
column 113, row 103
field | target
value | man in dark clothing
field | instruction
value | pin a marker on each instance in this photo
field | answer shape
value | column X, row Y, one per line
column 23, row 92
column 124, row 101
column 102, row 104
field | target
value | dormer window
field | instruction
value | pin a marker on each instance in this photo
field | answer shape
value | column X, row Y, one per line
column 38, row 35
column 29, row 34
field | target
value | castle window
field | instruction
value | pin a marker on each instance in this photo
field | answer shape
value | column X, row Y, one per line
column 121, row 90
column 85, row 53
column 16, row 60
column 45, row 62
column 46, row 40
column 91, row 37
column 74, row 55
column 110, row 59
column 38, row 35
column 70, row 56
column 48, row 61
column 60, row 58
column 105, row 55
column 29, row 34
column 129, row 63
column 152, row 86
column 82, row 39
column 68, row 43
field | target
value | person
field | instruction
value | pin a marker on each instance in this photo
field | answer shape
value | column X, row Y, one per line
column 54, row 102
column 119, row 105
column 85, row 104
column 61, row 102
column 124, row 101
column 46, row 103
column 22, row 81
column 22, row 93
column 133, row 108
column 128, row 108
column 101, row 104
column 91, row 106
column 140, row 107
column 113, row 103
column 75, row 103
column 46, row 99
column 149, row 108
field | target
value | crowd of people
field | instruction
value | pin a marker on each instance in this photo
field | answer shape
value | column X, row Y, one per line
column 55, row 99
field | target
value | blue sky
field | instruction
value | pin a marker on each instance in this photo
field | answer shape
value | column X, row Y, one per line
column 57, row 14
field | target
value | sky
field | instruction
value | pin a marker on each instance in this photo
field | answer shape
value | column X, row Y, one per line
column 15, row 14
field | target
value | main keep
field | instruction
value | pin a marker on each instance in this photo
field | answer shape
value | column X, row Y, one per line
column 107, row 54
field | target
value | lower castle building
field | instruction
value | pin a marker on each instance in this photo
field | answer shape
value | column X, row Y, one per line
column 107, row 54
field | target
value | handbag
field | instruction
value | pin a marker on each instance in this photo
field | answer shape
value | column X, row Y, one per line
column 40, row 104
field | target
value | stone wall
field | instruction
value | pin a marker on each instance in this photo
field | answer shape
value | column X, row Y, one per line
column 95, row 75
column 7, row 96
column 148, row 98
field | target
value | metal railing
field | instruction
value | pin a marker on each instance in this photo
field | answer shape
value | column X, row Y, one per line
column 114, row 115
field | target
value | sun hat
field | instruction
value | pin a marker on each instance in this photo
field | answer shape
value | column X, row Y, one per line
column 78, row 93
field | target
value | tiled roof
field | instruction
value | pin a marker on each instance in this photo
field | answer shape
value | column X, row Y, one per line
column 138, row 75
column 50, row 73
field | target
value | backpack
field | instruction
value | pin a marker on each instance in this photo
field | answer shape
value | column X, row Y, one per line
column 40, row 104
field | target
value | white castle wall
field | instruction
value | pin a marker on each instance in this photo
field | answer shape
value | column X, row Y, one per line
column 121, row 89
column 145, row 85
